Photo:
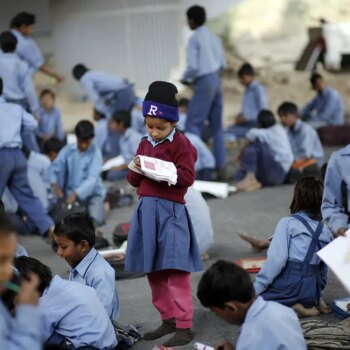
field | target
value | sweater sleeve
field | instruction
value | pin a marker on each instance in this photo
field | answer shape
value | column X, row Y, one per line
column 185, row 160
column 135, row 179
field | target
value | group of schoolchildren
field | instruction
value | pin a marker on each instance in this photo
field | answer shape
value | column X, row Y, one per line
column 79, row 313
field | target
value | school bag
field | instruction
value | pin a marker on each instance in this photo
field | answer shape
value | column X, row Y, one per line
column 299, row 282
column 62, row 209
column 117, row 198
column 334, row 135
column 120, row 233
column 302, row 168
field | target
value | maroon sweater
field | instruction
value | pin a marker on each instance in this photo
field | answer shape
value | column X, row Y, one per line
column 181, row 152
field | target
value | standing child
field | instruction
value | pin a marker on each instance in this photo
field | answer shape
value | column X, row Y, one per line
column 22, row 26
column 227, row 290
column 205, row 61
column 81, row 163
column 161, row 240
column 267, row 156
column 293, row 275
column 50, row 123
column 75, row 239
column 13, row 164
column 129, row 141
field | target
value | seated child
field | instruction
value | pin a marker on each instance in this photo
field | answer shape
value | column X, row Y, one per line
column 71, row 312
column 101, row 132
column 52, row 147
column 205, row 163
column 227, row 290
column 305, row 142
column 293, row 275
column 22, row 332
column 75, row 239
column 254, row 101
column 267, row 156
column 81, row 163
column 326, row 108
column 128, row 142
column 50, row 123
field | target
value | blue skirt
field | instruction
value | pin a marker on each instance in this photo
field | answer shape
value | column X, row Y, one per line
column 161, row 237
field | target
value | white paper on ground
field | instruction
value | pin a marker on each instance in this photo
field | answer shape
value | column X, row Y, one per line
column 337, row 256
column 217, row 189
column 113, row 162
column 200, row 346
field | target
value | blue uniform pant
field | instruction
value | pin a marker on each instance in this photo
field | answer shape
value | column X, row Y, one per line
column 206, row 103
column 240, row 131
column 14, row 175
column 95, row 207
column 258, row 159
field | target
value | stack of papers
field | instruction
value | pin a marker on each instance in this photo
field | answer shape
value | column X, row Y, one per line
column 156, row 169
column 337, row 256
column 217, row 189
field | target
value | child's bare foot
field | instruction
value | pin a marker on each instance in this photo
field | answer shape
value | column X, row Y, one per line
column 258, row 245
column 324, row 308
column 302, row 311
column 205, row 256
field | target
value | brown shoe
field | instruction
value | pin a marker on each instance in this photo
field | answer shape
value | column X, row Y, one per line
column 167, row 327
column 180, row 338
column 248, row 184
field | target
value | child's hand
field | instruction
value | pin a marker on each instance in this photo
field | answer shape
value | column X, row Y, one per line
column 29, row 293
column 137, row 162
column 342, row 232
column 71, row 198
column 57, row 190
column 224, row 345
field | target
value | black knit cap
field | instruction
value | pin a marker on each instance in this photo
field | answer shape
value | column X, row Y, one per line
column 162, row 92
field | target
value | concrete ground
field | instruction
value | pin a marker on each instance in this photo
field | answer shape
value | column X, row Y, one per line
column 256, row 213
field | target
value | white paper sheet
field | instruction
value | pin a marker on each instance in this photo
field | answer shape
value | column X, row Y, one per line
column 337, row 256
column 217, row 189
column 113, row 162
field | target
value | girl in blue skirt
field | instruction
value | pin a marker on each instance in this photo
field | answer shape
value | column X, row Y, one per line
column 161, row 240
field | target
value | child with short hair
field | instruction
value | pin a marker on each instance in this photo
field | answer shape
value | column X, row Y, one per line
column 226, row 289
column 18, row 81
column 266, row 157
column 293, row 274
column 24, row 330
column 75, row 239
column 326, row 108
column 129, row 141
column 72, row 314
column 303, row 138
column 50, row 123
column 22, row 26
column 52, row 147
column 161, row 241
column 81, row 163
column 254, row 100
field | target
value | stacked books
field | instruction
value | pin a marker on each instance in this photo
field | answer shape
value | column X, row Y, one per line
column 155, row 169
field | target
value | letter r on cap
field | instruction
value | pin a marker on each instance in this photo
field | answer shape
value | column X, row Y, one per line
column 152, row 110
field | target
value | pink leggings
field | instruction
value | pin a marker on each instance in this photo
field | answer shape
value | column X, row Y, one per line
column 172, row 296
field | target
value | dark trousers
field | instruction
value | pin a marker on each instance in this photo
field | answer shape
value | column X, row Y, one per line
column 258, row 159
column 206, row 104
column 14, row 175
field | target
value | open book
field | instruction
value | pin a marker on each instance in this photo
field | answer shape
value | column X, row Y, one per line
column 113, row 162
column 156, row 169
column 337, row 256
